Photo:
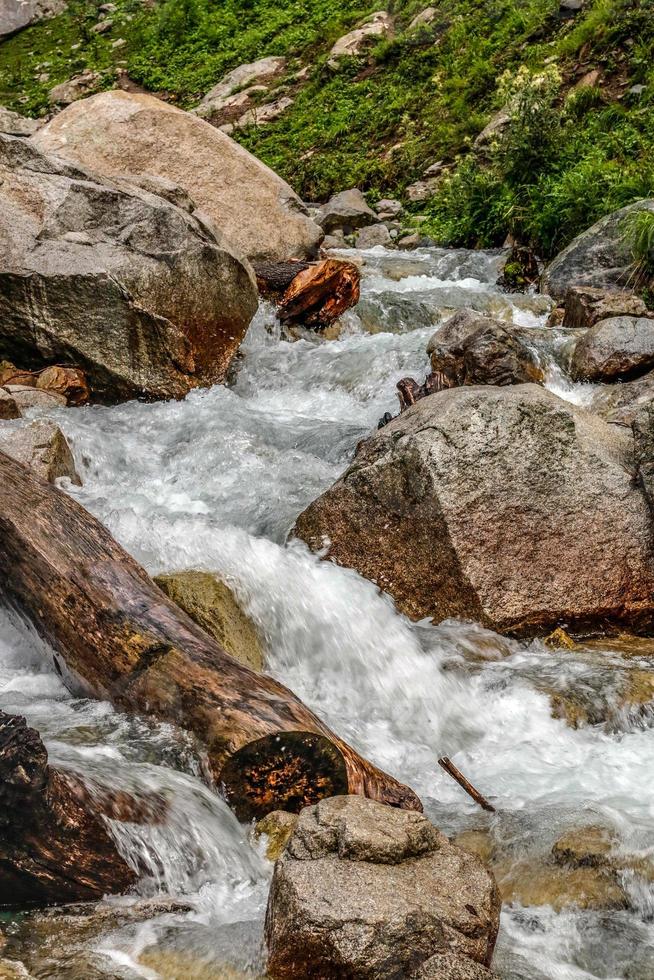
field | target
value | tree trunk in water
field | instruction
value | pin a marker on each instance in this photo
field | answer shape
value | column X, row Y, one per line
column 273, row 278
column 115, row 635
column 54, row 847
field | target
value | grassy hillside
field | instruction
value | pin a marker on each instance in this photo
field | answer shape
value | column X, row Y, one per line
column 571, row 152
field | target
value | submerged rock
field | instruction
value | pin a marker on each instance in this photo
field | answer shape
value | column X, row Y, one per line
column 540, row 883
column 508, row 506
column 620, row 347
column 471, row 349
column 121, row 133
column 135, row 291
column 42, row 446
column 213, row 606
column 584, row 847
column 277, row 827
column 600, row 257
column 365, row 890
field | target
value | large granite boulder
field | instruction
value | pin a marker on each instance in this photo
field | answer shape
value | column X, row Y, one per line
column 620, row 347
column 42, row 446
column 367, row 891
column 121, row 133
column 508, row 506
column 600, row 256
column 117, row 281
column 16, row 14
column 471, row 349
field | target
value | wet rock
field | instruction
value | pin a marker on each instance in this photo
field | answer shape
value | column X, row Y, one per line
column 14, row 124
column 586, row 306
column 559, row 639
column 508, row 506
column 213, row 606
column 520, row 271
column 120, row 133
column 376, row 26
column 470, row 349
column 64, row 381
column 368, row 891
column 277, row 828
column 585, row 847
column 77, row 87
column 29, row 397
column 8, row 407
column 135, row 291
column 530, row 883
column 620, row 347
column 373, row 235
column 346, row 211
column 452, row 966
column 478, row 842
column 599, row 257
column 254, row 73
column 638, row 689
column 42, row 446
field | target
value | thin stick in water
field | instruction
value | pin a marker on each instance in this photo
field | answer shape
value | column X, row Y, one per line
column 455, row 773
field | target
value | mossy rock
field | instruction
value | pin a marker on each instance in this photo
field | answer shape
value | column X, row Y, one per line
column 277, row 827
column 212, row 605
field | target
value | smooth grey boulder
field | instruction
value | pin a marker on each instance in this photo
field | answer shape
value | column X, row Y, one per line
column 620, row 347
column 348, row 210
column 471, row 348
column 114, row 280
column 42, row 446
column 507, row 506
column 120, row 133
column 368, row 891
column 600, row 256
column 373, row 235
column 16, row 14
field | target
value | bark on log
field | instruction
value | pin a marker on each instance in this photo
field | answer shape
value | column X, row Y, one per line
column 320, row 294
column 274, row 278
column 115, row 635
column 54, row 847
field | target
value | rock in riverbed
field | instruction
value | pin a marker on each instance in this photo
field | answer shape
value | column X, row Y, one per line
column 599, row 257
column 508, row 506
column 121, row 133
column 118, row 281
column 364, row 890
column 42, row 446
column 620, row 347
column 586, row 306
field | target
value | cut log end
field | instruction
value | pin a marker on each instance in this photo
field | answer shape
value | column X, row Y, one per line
column 285, row 771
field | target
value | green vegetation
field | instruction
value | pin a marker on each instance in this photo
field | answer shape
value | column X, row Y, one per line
column 639, row 232
column 570, row 152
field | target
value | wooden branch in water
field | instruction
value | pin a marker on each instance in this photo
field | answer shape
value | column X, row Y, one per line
column 320, row 294
column 54, row 845
column 456, row 774
column 115, row 635
column 274, row 278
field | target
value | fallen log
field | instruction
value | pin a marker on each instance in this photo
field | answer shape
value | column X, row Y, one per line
column 274, row 278
column 465, row 784
column 54, row 845
column 320, row 294
column 115, row 635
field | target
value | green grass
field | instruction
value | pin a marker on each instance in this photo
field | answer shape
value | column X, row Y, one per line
column 568, row 157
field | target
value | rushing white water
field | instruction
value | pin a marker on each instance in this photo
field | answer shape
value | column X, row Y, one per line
column 216, row 482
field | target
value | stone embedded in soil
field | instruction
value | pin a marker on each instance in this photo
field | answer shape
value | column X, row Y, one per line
column 368, row 891
column 621, row 403
column 214, row 607
column 508, row 506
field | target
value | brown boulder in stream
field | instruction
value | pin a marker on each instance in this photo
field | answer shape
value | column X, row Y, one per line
column 620, row 347
column 363, row 890
column 114, row 280
column 508, row 506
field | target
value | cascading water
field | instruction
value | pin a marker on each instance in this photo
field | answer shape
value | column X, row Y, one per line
column 215, row 482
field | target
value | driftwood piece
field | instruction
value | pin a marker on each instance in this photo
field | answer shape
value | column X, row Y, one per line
column 115, row 635
column 457, row 775
column 54, row 846
column 320, row 294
